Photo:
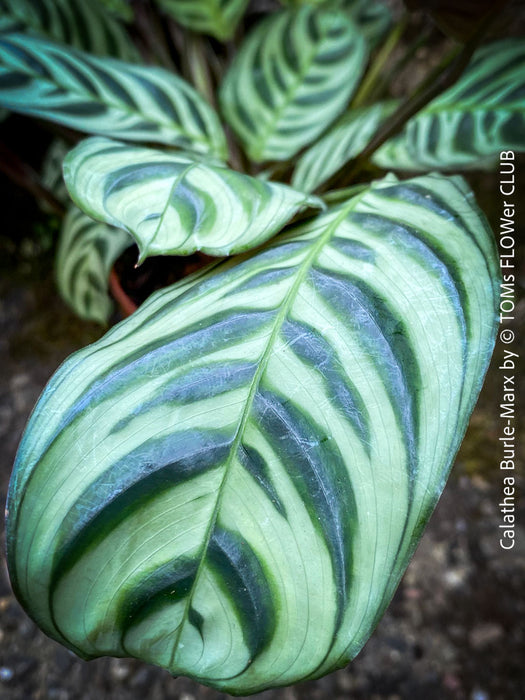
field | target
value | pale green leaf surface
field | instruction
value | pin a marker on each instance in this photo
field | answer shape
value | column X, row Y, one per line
column 344, row 141
column 174, row 204
column 104, row 96
column 231, row 482
column 471, row 122
column 216, row 17
column 293, row 76
column 86, row 252
column 84, row 24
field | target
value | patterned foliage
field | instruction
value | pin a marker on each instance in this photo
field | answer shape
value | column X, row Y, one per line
column 371, row 17
column 344, row 141
column 230, row 483
column 84, row 24
column 469, row 124
column 51, row 171
column 216, row 17
column 173, row 203
column 293, row 76
column 85, row 256
column 104, row 96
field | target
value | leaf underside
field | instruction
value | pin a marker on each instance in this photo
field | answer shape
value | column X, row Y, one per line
column 231, row 482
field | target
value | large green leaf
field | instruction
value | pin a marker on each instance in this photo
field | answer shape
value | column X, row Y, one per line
column 293, row 76
column 104, row 96
column 216, row 17
column 469, row 124
column 84, row 24
column 230, row 483
column 175, row 204
column 344, row 141
column 86, row 253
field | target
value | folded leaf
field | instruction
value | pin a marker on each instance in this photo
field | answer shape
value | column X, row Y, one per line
column 231, row 482
column 175, row 204
column 104, row 96
column 292, row 77
column 469, row 124
column 86, row 253
column 84, row 24
column 344, row 141
column 216, row 17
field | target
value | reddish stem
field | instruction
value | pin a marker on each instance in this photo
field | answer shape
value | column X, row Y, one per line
column 126, row 305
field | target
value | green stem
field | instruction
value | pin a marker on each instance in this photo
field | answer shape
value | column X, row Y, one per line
column 373, row 75
column 198, row 67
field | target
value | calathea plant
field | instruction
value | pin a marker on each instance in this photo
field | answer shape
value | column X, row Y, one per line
column 230, row 483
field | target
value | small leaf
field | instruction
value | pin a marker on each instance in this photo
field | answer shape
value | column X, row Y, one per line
column 51, row 172
column 292, row 77
column 104, row 96
column 85, row 256
column 173, row 204
column 216, row 17
column 231, row 482
column 372, row 18
column 470, row 123
column 344, row 141
column 83, row 24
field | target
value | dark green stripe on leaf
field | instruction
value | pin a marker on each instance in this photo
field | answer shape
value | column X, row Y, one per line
column 245, row 583
column 319, row 474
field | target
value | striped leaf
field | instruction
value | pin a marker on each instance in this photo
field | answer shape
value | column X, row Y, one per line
column 230, row 483
column 469, row 124
column 104, row 96
column 51, row 172
column 175, row 204
column 344, row 141
column 216, row 17
column 372, row 18
column 86, row 253
column 293, row 76
column 84, row 24
column 119, row 8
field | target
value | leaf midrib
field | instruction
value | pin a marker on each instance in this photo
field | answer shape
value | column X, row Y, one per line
column 271, row 126
column 280, row 318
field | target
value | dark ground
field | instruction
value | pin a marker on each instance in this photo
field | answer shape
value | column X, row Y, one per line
column 455, row 628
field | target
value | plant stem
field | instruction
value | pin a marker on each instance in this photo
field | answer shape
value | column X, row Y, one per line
column 126, row 305
column 373, row 75
column 198, row 67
